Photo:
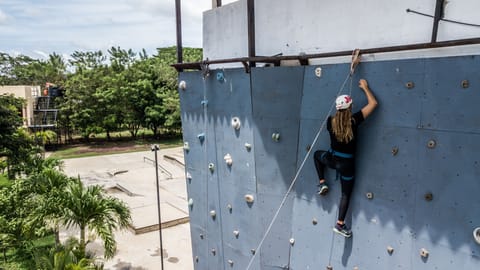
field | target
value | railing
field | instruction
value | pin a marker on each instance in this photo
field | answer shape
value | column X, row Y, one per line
column 162, row 169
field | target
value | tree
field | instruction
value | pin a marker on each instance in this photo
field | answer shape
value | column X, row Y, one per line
column 47, row 185
column 89, row 208
column 16, row 146
column 63, row 257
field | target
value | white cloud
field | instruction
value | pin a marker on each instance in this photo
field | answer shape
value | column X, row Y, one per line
column 66, row 26
column 3, row 17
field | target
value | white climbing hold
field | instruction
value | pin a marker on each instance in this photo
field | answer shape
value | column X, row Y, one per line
column 236, row 233
column 182, row 85
column 189, row 176
column 248, row 146
column 318, row 72
column 190, row 202
column 476, row 235
column 213, row 214
column 292, row 241
column 424, row 253
column 276, row 136
column 211, row 167
column 249, row 198
column 236, row 123
column 186, row 147
column 228, row 159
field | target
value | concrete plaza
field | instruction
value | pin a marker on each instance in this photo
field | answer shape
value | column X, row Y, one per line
column 131, row 178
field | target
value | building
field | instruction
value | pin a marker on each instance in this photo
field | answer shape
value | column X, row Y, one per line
column 29, row 93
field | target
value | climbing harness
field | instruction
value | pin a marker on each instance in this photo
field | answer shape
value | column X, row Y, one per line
column 355, row 56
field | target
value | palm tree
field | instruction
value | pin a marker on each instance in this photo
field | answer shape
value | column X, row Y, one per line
column 64, row 257
column 89, row 207
column 47, row 184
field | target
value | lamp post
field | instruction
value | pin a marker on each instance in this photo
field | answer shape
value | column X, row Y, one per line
column 155, row 148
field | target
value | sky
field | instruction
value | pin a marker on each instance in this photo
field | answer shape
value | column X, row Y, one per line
column 38, row 28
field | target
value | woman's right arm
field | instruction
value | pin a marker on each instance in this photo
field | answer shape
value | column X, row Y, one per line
column 372, row 101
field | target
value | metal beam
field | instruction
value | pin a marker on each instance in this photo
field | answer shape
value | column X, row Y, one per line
column 216, row 3
column 251, row 30
column 178, row 12
column 303, row 57
column 436, row 19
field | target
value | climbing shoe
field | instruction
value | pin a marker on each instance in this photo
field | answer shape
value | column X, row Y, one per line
column 342, row 230
column 322, row 189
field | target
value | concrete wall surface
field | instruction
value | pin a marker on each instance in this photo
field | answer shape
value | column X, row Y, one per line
column 316, row 26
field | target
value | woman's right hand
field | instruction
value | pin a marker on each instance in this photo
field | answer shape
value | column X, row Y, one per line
column 363, row 84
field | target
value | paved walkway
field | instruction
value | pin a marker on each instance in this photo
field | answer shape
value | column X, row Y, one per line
column 131, row 178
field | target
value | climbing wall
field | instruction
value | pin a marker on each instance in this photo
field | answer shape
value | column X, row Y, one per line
column 248, row 136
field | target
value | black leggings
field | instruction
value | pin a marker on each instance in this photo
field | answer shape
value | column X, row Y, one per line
column 345, row 167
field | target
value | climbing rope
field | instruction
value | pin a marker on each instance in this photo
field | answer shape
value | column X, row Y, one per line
column 282, row 203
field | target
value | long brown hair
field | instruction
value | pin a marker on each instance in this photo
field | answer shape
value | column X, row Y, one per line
column 342, row 125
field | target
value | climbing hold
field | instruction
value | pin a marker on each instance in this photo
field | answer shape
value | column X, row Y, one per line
column 394, row 151
column 355, row 268
column 308, row 148
column 236, row 123
column 214, row 252
column 390, row 250
column 248, row 147
column 182, row 85
column 292, row 241
column 249, row 198
column 229, row 207
column 228, row 159
column 190, row 202
column 476, row 235
column 409, row 85
column 211, row 167
column 220, row 77
column 465, row 83
column 204, row 103
column 276, row 136
column 314, row 221
column 201, row 137
column 318, row 72
column 213, row 214
column 369, row 195
column 252, row 251
column 189, row 176
column 329, row 267
column 424, row 253
column 236, row 233
column 196, row 259
column 186, row 147
column 431, row 144
column 428, row 196
column 201, row 236
column 230, row 262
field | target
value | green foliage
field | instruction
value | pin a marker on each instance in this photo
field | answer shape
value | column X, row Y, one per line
column 106, row 92
column 91, row 207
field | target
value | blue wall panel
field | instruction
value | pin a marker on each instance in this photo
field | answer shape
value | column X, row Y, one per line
column 421, row 101
column 448, row 105
column 193, row 123
column 276, row 100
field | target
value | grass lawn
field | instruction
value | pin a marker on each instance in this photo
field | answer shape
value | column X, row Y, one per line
column 114, row 147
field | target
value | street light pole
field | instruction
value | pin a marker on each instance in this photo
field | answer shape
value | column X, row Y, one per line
column 156, row 148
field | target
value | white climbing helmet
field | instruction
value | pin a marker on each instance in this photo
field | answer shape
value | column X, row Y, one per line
column 343, row 102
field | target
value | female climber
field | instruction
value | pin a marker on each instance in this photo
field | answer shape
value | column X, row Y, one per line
column 342, row 128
